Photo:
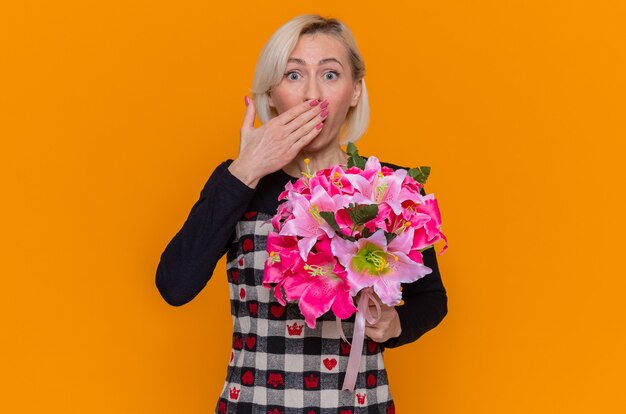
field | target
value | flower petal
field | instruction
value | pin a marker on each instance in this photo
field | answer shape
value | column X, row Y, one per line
column 317, row 300
column 343, row 305
column 344, row 250
column 305, row 245
column 388, row 291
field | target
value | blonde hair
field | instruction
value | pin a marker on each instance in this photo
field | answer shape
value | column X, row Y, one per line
column 273, row 61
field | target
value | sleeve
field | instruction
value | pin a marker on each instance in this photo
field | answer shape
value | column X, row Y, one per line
column 425, row 304
column 188, row 261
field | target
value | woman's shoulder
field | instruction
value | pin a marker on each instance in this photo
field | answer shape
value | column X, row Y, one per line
column 393, row 166
column 398, row 167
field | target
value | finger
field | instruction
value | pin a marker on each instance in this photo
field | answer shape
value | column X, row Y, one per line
column 308, row 120
column 248, row 120
column 382, row 311
column 308, row 137
column 295, row 111
column 376, row 325
column 372, row 334
column 315, row 122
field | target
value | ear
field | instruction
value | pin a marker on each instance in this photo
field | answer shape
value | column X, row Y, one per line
column 358, row 87
column 270, row 101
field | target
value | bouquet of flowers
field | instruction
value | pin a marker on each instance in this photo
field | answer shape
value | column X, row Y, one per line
column 349, row 229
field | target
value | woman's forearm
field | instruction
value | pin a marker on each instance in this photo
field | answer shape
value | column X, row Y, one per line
column 188, row 261
column 425, row 304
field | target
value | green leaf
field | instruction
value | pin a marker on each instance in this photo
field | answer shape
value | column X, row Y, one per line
column 329, row 216
column 354, row 159
column 330, row 219
column 361, row 213
column 365, row 233
column 420, row 174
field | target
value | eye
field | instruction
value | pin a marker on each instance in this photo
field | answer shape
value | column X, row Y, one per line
column 292, row 75
column 331, row 75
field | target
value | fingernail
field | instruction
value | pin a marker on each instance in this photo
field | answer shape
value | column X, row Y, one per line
column 314, row 102
column 324, row 104
column 246, row 100
column 320, row 125
column 324, row 113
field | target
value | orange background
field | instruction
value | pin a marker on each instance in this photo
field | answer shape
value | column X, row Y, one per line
column 114, row 114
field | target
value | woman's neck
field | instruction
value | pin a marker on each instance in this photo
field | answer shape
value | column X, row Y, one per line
column 324, row 158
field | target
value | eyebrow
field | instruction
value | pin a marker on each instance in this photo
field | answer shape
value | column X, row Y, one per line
column 321, row 62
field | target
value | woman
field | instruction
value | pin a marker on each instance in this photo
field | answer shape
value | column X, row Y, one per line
column 310, row 95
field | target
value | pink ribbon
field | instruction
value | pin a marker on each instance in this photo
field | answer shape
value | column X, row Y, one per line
column 358, row 335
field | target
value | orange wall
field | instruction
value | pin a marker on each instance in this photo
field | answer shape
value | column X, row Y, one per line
column 115, row 113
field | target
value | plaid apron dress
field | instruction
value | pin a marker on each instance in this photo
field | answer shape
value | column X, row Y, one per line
column 278, row 365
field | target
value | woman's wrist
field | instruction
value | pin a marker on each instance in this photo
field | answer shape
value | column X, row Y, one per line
column 246, row 175
column 398, row 325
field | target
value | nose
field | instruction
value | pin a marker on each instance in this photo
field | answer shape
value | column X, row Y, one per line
column 313, row 90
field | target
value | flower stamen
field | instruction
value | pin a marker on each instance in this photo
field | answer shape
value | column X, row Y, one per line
column 336, row 180
column 315, row 270
column 378, row 259
column 307, row 173
column 315, row 213
column 380, row 192
column 274, row 258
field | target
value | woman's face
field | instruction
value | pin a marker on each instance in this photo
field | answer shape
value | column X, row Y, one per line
column 318, row 68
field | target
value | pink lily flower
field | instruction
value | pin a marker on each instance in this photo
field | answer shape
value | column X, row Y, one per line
column 283, row 214
column 410, row 184
column 301, row 186
column 372, row 262
column 333, row 180
column 320, row 284
column 383, row 188
column 283, row 258
column 427, row 232
column 307, row 222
